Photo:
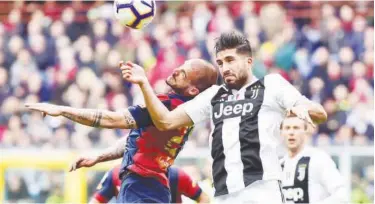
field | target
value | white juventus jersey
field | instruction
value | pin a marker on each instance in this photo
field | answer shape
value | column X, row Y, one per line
column 245, row 129
column 311, row 176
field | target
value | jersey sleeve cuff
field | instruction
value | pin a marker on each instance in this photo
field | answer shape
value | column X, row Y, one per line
column 137, row 113
column 197, row 194
column 100, row 198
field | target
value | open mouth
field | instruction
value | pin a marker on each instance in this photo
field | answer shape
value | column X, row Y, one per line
column 291, row 140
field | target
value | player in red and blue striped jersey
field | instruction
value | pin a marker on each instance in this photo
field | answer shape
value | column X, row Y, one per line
column 180, row 184
column 148, row 152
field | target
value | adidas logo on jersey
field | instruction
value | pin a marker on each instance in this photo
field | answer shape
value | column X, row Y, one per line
column 233, row 109
column 294, row 194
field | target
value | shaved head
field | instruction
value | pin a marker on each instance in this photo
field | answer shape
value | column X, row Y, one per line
column 192, row 77
column 203, row 74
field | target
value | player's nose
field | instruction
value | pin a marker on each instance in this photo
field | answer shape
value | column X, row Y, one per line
column 176, row 73
column 225, row 68
column 226, row 72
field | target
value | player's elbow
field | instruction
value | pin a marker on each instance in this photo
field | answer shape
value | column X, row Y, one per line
column 324, row 116
column 318, row 114
column 321, row 116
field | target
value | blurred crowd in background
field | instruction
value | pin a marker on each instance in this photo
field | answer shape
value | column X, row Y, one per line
column 67, row 53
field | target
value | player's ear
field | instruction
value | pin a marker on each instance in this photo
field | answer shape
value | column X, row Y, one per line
column 193, row 91
column 249, row 60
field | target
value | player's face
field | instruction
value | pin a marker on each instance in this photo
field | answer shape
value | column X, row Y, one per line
column 294, row 132
column 235, row 68
column 179, row 80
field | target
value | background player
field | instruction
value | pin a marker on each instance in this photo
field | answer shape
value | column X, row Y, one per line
column 149, row 152
column 246, row 114
column 309, row 174
column 180, row 184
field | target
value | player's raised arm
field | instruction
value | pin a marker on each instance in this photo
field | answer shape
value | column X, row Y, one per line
column 290, row 99
column 163, row 119
column 90, row 117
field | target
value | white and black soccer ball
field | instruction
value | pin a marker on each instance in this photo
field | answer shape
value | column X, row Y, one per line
column 134, row 13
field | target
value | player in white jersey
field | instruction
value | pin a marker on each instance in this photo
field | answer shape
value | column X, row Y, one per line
column 309, row 174
column 245, row 114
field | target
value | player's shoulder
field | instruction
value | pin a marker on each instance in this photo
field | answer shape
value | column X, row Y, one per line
column 211, row 91
column 173, row 173
column 316, row 151
column 273, row 79
column 181, row 175
column 179, row 172
column 273, row 76
column 318, row 154
column 214, row 88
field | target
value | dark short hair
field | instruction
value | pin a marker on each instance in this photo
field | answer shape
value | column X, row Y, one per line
column 231, row 40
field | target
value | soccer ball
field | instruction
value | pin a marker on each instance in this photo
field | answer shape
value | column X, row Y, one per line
column 134, row 13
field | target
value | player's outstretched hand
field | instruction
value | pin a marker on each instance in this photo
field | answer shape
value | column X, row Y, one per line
column 45, row 108
column 133, row 73
column 83, row 161
column 302, row 113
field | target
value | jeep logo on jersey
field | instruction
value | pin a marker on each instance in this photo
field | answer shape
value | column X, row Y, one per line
column 232, row 109
column 295, row 194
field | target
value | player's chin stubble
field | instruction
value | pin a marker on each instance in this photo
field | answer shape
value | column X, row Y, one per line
column 236, row 83
column 172, row 83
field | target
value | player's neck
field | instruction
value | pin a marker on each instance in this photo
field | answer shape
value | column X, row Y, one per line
column 293, row 153
column 249, row 80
